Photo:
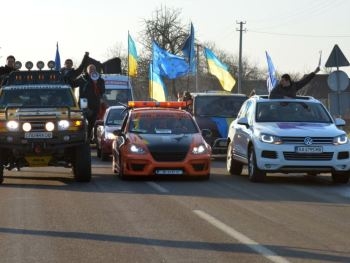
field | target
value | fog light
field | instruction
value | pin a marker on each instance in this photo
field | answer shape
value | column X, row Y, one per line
column 26, row 127
column 9, row 139
column 66, row 138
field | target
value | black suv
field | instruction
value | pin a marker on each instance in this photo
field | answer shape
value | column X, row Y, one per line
column 41, row 124
column 215, row 111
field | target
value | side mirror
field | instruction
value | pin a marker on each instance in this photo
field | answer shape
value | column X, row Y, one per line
column 83, row 103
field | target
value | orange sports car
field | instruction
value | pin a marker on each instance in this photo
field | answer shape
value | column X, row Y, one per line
column 160, row 139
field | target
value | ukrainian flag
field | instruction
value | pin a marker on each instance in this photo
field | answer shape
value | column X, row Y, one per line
column 132, row 57
column 219, row 70
column 157, row 89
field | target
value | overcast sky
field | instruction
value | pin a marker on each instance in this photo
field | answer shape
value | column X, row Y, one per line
column 292, row 31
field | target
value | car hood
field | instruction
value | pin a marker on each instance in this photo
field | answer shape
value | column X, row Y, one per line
column 166, row 142
column 298, row 129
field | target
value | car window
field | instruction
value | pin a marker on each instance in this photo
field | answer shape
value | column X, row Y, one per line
column 162, row 124
column 291, row 112
column 49, row 97
column 222, row 106
column 115, row 117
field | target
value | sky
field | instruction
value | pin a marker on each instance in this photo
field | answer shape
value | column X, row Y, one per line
column 292, row 32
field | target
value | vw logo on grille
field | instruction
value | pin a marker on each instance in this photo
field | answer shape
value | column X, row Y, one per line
column 308, row 141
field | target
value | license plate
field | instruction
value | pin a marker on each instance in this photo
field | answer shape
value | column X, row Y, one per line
column 38, row 135
column 308, row 149
column 174, row 172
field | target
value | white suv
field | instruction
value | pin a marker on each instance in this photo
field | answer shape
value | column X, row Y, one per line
column 287, row 136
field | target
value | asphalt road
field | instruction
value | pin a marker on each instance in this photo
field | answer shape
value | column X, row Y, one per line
column 48, row 217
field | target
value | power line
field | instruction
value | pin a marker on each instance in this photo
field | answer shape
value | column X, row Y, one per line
column 299, row 35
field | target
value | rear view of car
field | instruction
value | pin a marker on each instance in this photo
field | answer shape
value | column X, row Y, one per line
column 159, row 139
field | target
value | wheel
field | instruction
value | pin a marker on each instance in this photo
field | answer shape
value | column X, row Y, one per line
column 254, row 173
column 340, row 177
column 98, row 149
column 1, row 174
column 82, row 163
column 233, row 167
column 114, row 166
column 104, row 156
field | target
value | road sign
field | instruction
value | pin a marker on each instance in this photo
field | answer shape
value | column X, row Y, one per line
column 338, row 80
column 336, row 58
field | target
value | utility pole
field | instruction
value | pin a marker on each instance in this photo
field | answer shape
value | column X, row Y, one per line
column 240, row 56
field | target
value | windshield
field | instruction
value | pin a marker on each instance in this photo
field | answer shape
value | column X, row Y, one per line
column 218, row 106
column 39, row 97
column 291, row 112
column 113, row 96
column 162, row 123
column 115, row 116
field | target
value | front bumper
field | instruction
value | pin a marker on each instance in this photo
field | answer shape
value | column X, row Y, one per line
column 284, row 158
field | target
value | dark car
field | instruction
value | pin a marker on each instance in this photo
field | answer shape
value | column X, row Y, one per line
column 159, row 139
column 215, row 111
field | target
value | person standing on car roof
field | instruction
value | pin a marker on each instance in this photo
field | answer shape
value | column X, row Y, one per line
column 7, row 69
column 69, row 73
column 92, row 87
column 288, row 88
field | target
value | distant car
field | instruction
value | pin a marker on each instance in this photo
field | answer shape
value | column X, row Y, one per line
column 159, row 139
column 112, row 121
column 287, row 136
column 215, row 111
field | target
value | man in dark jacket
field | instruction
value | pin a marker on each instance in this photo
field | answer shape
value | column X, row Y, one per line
column 69, row 73
column 288, row 88
column 91, row 86
column 8, row 68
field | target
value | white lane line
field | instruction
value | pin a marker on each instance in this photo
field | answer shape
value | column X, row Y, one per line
column 267, row 253
column 158, row 187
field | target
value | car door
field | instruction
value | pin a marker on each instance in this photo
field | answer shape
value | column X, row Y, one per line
column 243, row 132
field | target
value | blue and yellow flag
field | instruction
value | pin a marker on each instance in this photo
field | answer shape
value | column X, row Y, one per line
column 57, row 58
column 189, row 52
column 219, row 70
column 157, row 89
column 132, row 57
column 168, row 65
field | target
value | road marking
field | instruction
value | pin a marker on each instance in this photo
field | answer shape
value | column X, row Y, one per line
column 267, row 253
column 158, row 187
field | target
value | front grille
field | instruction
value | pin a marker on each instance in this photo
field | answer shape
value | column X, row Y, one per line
column 292, row 156
column 169, row 156
column 300, row 140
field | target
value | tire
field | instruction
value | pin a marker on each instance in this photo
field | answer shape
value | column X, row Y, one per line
column 98, row 149
column 104, row 156
column 254, row 173
column 232, row 166
column 340, row 177
column 1, row 174
column 82, row 163
column 115, row 171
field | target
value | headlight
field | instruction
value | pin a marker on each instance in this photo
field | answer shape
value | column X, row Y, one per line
column 342, row 139
column 110, row 136
column 199, row 149
column 12, row 125
column 136, row 149
column 267, row 138
column 63, row 125
column 26, row 126
column 49, row 126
